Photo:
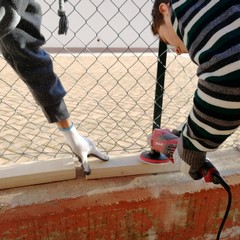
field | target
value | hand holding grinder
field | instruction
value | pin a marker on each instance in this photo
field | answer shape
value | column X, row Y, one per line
column 163, row 143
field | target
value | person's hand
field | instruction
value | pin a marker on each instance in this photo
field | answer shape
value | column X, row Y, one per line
column 194, row 173
column 82, row 147
column 185, row 168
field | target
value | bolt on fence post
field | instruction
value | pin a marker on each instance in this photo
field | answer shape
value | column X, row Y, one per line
column 161, row 69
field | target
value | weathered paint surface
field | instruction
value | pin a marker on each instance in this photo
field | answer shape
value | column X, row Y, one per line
column 126, row 215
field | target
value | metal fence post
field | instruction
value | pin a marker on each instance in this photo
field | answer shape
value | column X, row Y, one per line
column 161, row 68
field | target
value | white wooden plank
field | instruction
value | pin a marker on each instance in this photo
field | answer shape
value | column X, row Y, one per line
column 125, row 166
column 37, row 172
column 227, row 161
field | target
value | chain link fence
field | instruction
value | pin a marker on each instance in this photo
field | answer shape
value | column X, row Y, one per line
column 108, row 65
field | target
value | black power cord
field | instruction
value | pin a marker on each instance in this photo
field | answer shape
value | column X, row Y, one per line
column 211, row 174
column 218, row 179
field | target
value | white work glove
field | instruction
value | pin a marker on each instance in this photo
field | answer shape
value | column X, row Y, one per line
column 82, row 147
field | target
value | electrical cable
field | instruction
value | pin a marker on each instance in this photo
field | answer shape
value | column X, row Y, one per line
column 218, row 179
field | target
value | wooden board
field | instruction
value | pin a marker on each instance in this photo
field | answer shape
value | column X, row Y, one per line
column 227, row 161
column 37, row 172
column 125, row 166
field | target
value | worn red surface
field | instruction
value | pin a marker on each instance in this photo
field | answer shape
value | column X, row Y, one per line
column 132, row 214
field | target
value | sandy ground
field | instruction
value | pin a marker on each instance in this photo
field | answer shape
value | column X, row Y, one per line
column 111, row 100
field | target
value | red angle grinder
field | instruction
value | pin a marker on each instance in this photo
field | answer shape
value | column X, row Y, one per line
column 163, row 143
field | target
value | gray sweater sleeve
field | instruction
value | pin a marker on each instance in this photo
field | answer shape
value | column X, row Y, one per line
column 10, row 14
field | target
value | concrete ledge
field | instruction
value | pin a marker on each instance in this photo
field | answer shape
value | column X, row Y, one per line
column 166, row 206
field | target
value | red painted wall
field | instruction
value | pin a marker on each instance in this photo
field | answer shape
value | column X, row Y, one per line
column 126, row 215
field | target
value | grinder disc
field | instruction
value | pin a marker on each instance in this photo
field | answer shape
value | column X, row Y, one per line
column 153, row 157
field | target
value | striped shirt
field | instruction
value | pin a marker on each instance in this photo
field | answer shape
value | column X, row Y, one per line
column 210, row 30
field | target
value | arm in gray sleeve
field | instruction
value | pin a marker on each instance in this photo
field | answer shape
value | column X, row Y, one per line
column 10, row 14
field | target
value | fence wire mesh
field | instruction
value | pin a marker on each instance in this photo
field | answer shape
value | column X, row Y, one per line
column 111, row 90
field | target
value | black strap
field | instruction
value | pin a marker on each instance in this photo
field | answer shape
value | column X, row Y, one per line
column 63, row 22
